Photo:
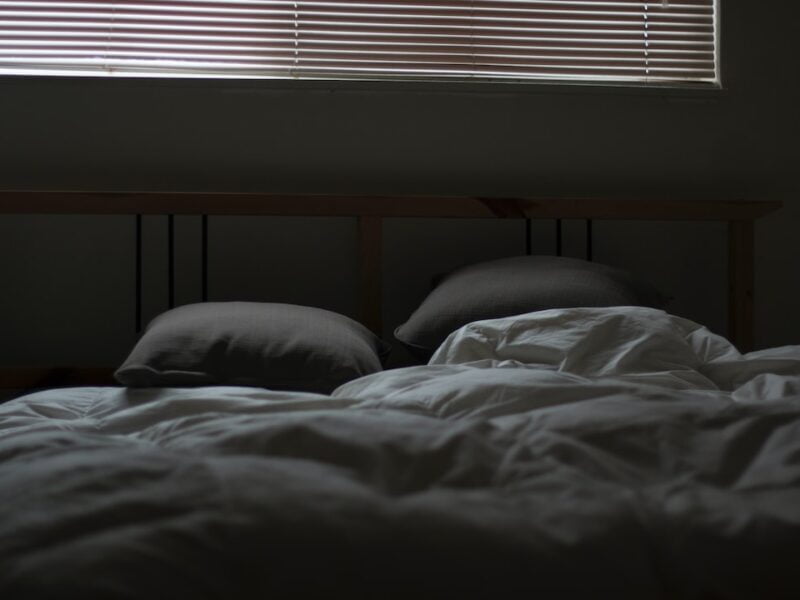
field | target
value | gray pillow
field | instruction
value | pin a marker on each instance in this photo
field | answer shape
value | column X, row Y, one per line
column 517, row 285
column 277, row 346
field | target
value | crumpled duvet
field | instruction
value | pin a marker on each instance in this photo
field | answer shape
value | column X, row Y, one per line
column 570, row 453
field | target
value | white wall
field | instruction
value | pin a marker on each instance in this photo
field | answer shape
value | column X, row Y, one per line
column 68, row 281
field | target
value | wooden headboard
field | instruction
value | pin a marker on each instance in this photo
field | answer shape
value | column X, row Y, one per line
column 370, row 212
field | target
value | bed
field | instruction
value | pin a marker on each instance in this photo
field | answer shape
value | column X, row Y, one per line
column 566, row 452
column 602, row 447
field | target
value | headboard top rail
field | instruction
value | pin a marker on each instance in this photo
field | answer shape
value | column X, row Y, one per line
column 333, row 205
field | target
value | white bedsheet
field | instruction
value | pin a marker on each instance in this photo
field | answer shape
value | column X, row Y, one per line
column 570, row 451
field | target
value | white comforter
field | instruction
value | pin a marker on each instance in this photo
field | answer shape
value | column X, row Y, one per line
column 568, row 452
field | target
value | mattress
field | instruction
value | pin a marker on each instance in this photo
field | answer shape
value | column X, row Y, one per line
column 570, row 452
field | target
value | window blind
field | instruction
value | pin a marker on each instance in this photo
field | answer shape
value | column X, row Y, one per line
column 596, row 40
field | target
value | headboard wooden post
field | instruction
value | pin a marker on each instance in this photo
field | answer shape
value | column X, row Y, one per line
column 741, row 269
column 370, row 242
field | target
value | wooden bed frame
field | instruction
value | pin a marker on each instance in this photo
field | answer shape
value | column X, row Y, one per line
column 370, row 212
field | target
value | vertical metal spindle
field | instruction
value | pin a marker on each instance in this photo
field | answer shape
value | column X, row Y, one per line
column 589, row 242
column 138, row 274
column 171, row 261
column 204, row 257
column 528, row 237
column 558, row 238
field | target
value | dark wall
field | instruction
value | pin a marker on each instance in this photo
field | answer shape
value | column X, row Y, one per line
column 69, row 280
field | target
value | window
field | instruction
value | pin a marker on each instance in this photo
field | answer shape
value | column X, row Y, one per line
column 580, row 40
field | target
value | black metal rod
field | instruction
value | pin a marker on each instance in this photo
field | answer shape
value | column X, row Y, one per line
column 204, row 257
column 138, row 276
column 528, row 237
column 589, row 240
column 558, row 238
column 171, row 261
